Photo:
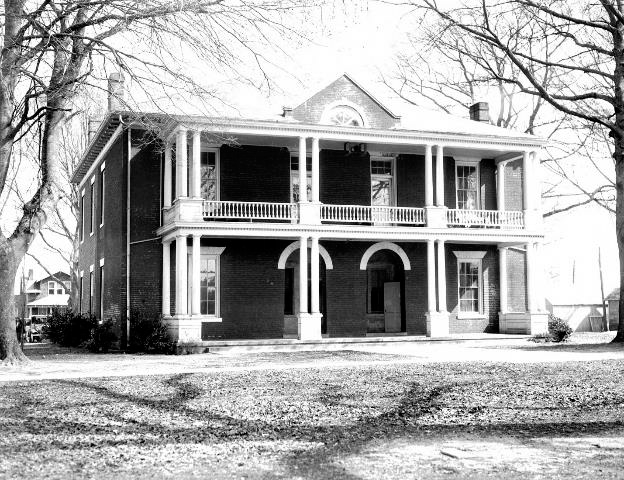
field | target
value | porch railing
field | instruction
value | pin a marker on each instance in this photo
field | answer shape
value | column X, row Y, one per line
column 373, row 214
column 250, row 210
column 484, row 218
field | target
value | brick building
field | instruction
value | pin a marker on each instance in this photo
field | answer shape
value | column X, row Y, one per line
column 426, row 224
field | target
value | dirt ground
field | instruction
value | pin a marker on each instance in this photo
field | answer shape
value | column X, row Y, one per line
column 509, row 409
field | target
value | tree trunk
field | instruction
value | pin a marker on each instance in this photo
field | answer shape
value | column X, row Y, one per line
column 10, row 351
column 618, row 155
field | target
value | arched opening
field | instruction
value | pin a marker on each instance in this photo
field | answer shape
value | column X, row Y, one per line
column 385, row 295
column 291, row 289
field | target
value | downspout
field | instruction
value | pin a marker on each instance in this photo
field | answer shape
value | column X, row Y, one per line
column 128, row 239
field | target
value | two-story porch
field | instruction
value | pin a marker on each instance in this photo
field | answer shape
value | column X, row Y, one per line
column 405, row 232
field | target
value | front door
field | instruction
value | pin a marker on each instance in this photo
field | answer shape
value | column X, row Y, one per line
column 392, row 306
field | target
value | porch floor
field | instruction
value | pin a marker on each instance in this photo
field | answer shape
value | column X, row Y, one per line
column 330, row 343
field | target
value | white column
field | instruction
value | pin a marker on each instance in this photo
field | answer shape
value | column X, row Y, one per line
column 181, row 164
column 303, row 176
column 441, row 276
column 196, row 170
column 536, row 189
column 428, row 177
column 529, row 277
column 500, row 186
column 502, row 269
column 181, row 276
column 440, row 176
column 303, row 275
column 431, row 276
column 315, row 171
column 167, row 177
column 526, row 180
column 196, row 265
column 166, row 282
column 315, row 301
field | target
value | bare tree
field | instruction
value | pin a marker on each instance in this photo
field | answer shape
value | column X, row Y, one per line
column 53, row 50
column 586, row 72
column 444, row 67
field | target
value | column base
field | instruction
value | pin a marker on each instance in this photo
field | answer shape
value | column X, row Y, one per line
column 437, row 324
column 309, row 326
column 183, row 328
column 525, row 323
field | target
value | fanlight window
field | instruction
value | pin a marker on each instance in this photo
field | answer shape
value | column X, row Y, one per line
column 345, row 116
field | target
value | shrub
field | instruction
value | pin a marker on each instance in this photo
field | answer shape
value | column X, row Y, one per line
column 102, row 337
column 67, row 328
column 558, row 329
column 148, row 333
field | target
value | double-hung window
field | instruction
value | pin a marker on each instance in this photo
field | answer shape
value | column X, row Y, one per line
column 467, row 185
column 51, row 288
column 382, row 182
column 294, row 178
column 209, row 261
column 209, row 173
column 102, row 192
column 92, row 209
column 82, row 215
column 470, row 283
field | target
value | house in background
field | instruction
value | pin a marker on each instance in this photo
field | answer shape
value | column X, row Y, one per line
column 425, row 224
column 613, row 308
column 42, row 296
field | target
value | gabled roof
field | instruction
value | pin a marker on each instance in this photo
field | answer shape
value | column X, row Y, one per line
column 614, row 295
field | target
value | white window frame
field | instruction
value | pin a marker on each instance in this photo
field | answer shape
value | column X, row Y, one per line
column 217, row 151
column 102, row 272
column 468, row 162
column 328, row 112
column 92, row 209
column 209, row 252
column 470, row 257
column 91, row 288
column 80, row 291
column 294, row 174
column 392, row 160
column 102, row 191
column 53, row 283
column 82, row 215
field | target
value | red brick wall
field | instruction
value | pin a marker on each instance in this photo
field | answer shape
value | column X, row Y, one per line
column 516, row 280
column 343, row 89
column 410, row 180
column 344, row 178
column 242, row 168
column 513, row 185
column 491, row 301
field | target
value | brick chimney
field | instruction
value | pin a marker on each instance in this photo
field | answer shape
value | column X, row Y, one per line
column 93, row 124
column 116, row 92
column 480, row 112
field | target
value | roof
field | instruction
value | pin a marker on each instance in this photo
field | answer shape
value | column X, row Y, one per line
column 409, row 119
column 50, row 301
column 614, row 295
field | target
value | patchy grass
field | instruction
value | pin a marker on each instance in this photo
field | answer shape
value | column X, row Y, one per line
column 435, row 420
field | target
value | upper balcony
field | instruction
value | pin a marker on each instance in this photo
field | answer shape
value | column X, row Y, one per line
column 422, row 187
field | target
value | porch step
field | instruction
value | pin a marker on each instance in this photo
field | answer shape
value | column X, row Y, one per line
column 326, row 344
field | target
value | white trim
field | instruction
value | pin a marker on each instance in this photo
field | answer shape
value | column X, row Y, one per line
column 101, row 192
column 469, row 254
column 385, row 246
column 102, row 166
column 91, row 267
column 81, row 273
column 392, row 176
column 212, row 250
column 102, row 153
column 466, row 257
column 92, row 180
column 468, row 162
column 324, row 120
column 281, row 263
column 217, row 152
column 101, row 262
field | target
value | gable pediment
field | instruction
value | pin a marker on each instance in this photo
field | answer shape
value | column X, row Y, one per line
column 344, row 102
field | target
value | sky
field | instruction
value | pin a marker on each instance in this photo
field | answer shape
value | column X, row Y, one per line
column 361, row 39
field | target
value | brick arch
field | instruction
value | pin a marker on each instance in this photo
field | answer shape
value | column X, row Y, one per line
column 385, row 246
column 281, row 263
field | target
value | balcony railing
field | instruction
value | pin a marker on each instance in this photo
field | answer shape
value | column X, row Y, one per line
column 484, row 218
column 373, row 214
column 250, row 211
